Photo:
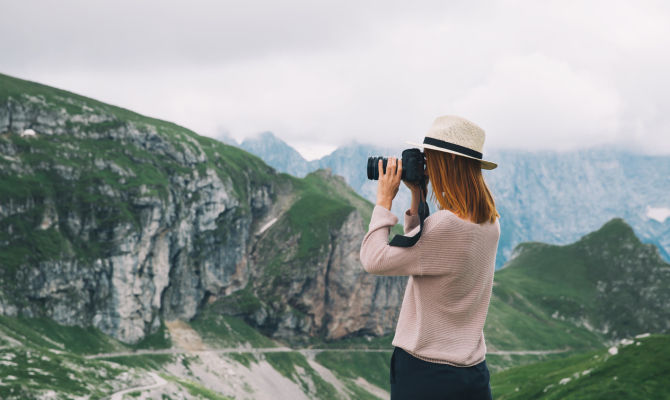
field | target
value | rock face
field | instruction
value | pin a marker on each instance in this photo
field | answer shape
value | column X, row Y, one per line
column 111, row 219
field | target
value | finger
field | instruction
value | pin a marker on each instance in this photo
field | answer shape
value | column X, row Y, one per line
column 392, row 165
column 379, row 165
column 399, row 169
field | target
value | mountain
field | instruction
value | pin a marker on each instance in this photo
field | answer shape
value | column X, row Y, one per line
column 277, row 154
column 348, row 161
column 558, row 197
column 548, row 196
column 602, row 288
column 138, row 256
column 118, row 221
column 568, row 307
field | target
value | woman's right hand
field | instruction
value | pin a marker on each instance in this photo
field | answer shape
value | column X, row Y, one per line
column 414, row 187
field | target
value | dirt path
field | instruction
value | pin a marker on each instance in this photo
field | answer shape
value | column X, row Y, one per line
column 526, row 352
column 159, row 382
column 309, row 353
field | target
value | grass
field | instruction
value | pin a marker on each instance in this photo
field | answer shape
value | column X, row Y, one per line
column 314, row 215
column 636, row 372
column 358, row 392
column 518, row 325
column 372, row 366
column 43, row 355
column 47, row 334
column 26, row 370
column 354, row 343
column 227, row 331
column 497, row 363
column 144, row 361
column 157, row 340
column 295, row 367
column 195, row 389
column 245, row 359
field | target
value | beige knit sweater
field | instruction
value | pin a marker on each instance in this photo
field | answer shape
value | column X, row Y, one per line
column 450, row 273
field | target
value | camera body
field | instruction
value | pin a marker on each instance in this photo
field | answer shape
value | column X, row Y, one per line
column 413, row 166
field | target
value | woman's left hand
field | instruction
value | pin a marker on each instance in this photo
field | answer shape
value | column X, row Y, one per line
column 389, row 182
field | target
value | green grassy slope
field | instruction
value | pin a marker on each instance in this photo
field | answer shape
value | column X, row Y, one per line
column 640, row 370
column 604, row 286
column 38, row 355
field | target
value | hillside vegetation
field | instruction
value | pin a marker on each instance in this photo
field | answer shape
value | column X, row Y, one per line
column 636, row 369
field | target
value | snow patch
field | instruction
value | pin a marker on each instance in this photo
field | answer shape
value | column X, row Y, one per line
column 8, row 364
column 642, row 335
column 659, row 214
column 564, row 381
column 266, row 226
column 48, row 394
column 613, row 350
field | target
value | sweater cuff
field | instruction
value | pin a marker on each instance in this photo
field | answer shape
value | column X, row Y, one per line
column 381, row 217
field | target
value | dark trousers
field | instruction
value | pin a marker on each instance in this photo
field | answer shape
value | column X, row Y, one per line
column 416, row 379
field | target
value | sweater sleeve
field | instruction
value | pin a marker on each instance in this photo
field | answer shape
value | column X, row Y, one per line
column 378, row 257
column 431, row 255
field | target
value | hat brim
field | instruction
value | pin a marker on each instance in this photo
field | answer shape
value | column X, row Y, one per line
column 485, row 164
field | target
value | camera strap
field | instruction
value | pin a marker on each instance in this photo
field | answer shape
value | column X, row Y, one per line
column 409, row 241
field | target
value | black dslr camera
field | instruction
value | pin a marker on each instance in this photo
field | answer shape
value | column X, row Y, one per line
column 413, row 170
column 413, row 166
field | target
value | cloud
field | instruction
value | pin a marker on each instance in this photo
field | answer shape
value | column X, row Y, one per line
column 551, row 74
column 543, row 103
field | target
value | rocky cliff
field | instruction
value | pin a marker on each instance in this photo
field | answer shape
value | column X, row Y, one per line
column 112, row 219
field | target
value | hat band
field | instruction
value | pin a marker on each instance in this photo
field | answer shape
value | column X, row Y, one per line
column 452, row 146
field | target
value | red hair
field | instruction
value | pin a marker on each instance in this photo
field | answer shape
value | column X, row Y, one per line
column 458, row 186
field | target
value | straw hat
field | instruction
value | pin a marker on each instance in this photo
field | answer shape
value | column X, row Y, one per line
column 456, row 135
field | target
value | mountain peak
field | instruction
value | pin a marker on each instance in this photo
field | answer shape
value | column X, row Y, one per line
column 263, row 137
column 276, row 153
column 616, row 230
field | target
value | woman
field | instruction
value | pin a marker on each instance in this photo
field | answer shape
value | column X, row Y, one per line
column 439, row 340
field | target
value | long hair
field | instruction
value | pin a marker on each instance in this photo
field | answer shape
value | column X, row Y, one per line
column 458, row 186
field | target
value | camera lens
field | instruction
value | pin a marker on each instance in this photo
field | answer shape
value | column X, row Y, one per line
column 373, row 167
column 413, row 166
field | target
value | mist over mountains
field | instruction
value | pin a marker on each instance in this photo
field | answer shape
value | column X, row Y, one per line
column 553, row 197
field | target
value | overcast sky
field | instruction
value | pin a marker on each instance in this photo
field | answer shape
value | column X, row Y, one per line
column 533, row 74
